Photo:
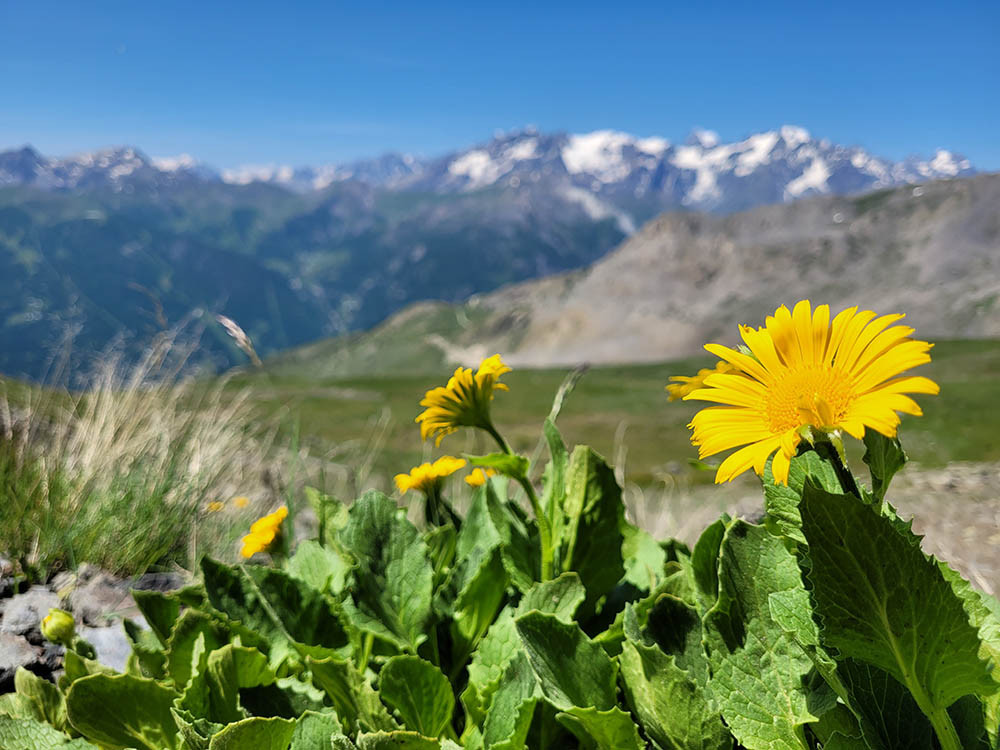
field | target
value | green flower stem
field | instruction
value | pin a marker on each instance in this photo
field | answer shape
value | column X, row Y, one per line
column 847, row 481
column 945, row 729
column 544, row 527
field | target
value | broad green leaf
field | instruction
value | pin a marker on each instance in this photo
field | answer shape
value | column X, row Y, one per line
column 355, row 701
column 273, row 604
column 42, row 698
column 572, row 670
column 508, row 464
column 440, row 541
column 782, row 501
column 644, row 558
column 510, row 712
column 420, row 692
column 968, row 715
column 181, row 644
column 889, row 717
column 518, row 534
column 393, row 580
column 28, row 734
column 482, row 581
column 591, row 539
column 984, row 614
column 399, row 740
column 760, row 675
column 228, row 670
column 612, row 729
column 884, row 602
column 140, row 717
column 320, row 567
column 160, row 610
column 313, row 731
column 365, row 623
column 705, row 563
column 330, row 512
column 501, row 644
column 257, row 732
column 674, row 709
column 838, row 729
column 195, row 732
column 884, row 457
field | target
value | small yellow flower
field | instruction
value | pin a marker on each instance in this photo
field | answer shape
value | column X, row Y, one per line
column 464, row 401
column 58, row 626
column 685, row 385
column 263, row 533
column 215, row 506
column 478, row 477
column 804, row 372
column 241, row 501
column 428, row 476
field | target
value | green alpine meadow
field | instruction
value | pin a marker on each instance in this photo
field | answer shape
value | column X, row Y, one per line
column 517, row 613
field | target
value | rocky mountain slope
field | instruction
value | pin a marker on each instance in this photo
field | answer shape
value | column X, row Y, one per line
column 115, row 245
column 932, row 251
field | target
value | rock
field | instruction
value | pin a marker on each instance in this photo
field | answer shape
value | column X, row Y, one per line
column 23, row 613
column 167, row 581
column 15, row 651
column 98, row 597
column 111, row 644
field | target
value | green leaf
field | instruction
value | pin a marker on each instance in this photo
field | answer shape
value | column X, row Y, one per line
column 393, row 577
column 612, row 729
column 319, row 567
column 28, row 734
column 140, row 718
column 884, row 457
column 228, row 670
column 508, row 464
column 182, row 640
column 674, row 709
column 420, row 692
column 273, row 604
column 510, row 711
column 838, row 729
column 440, row 541
column 500, row 646
column 42, row 698
column 571, row 669
column 160, row 610
column 313, row 731
column 884, row 602
column 399, row 740
column 591, row 539
column 889, row 717
column 355, row 701
column 705, row 563
column 258, row 733
column 782, row 501
column 644, row 558
column 760, row 675
column 482, row 583
column 554, row 477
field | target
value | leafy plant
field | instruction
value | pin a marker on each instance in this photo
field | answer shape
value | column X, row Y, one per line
column 823, row 627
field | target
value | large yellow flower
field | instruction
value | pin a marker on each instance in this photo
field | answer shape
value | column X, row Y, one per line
column 428, row 476
column 685, row 385
column 807, row 372
column 479, row 476
column 464, row 401
column 263, row 533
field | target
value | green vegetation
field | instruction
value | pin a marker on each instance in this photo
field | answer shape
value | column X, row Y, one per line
column 960, row 424
column 569, row 628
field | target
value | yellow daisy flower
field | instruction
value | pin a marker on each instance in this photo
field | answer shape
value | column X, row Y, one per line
column 686, row 385
column 464, row 401
column 478, row 477
column 428, row 476
column 214, row 507
column 263, row 533
column 241, row 501
column 807, row 372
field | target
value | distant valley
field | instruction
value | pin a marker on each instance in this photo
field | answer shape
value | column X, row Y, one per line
column 114, row 245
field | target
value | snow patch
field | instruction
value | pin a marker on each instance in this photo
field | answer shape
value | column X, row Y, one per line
column 794, row 136
column 174, row 163
column 523, row 150
column 598, row 210
column 706, row 138
column 706, row 164
column 944, row 162
column 258, row 173
column 814, row 178
column 759, row 147
column 653, row 145
column 477, row 166
column 598, row 153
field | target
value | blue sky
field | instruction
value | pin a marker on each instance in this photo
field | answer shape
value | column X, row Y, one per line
column 316, row 82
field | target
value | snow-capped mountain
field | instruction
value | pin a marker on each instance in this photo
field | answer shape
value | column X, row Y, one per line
column 605, row 173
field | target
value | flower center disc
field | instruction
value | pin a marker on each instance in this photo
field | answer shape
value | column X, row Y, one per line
column 813, row 395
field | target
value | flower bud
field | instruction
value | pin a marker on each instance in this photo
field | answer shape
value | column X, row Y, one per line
column 58, row 626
